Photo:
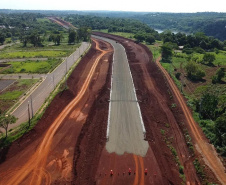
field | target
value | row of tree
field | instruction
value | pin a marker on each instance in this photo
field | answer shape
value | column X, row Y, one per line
column 111, row 24
column 82, row 34
column 198, row 39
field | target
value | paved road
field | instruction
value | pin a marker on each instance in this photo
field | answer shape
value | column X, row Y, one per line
column 46, row 87
column 2, row 46
column 22, row 59
column 126, row 130
column 5, row 83
column 22, row 76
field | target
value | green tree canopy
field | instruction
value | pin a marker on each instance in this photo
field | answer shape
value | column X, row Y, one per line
column 150, row 38
column 35, row 39
column 2, row 38
column 5, row 120
column 208, row 106
column 220, row 74
column 193, row 71
column 140, row 36
column 84, row 33
column 221, row 131
column 72, row 36
column 167, row 52
column 208, row 58
column 56, row 38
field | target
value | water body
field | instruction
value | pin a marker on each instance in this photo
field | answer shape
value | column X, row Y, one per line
column 160, row 31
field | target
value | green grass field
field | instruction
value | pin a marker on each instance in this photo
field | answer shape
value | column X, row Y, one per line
column 155, row 49
column 32, row 54
column 9, row 96
column 32, row 66
column 122, row 34
column 43, row 20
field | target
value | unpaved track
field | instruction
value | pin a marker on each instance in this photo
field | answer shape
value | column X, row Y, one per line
column 206, row 150
column 37, row 162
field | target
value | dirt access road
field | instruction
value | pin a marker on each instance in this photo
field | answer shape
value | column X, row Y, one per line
column 48, row 158
column 204, row 148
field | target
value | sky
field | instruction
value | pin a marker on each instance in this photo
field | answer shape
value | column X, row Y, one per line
column 118, row 5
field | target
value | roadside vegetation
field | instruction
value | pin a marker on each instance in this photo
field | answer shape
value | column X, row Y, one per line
column 36, row 46
column 41, row 67
column 32, row 54
column 14, row 92
column 199, row 72
column 14, row 134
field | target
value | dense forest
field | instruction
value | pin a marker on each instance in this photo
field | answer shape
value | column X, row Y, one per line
column 212, row 24
column 112, row 24
column 18, row 26
column 36, row 28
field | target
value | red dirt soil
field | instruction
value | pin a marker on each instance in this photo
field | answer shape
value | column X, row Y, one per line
column 55, row 164
column 61, row 22
column 157, row 97
column 77, row 154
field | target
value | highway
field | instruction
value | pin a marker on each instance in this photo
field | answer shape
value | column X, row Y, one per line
column 125, row 124
column 42, row 92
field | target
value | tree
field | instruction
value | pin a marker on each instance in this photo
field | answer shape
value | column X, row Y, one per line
column 220, row 74
column 35, row 39
column 5, row 120
column 2, row 38
column 167, row 52
column 181, row 39
column 140, row 37
column 215, row 43
column 168, row 36
column 208, row 58
column 220, row 130
column 150, row 39
column 72, row 36
column 84, row 33
column 24, row 39
column 193, row 71
column 208, row 106
column 56, row 38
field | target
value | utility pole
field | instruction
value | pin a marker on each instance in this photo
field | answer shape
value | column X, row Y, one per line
column 32, row 112
column 79, row 52
column 66, row 66
column 66, row 76
column 29, row 118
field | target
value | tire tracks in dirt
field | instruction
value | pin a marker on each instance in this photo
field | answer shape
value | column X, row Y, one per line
column 139, row 169
column 37, row 162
